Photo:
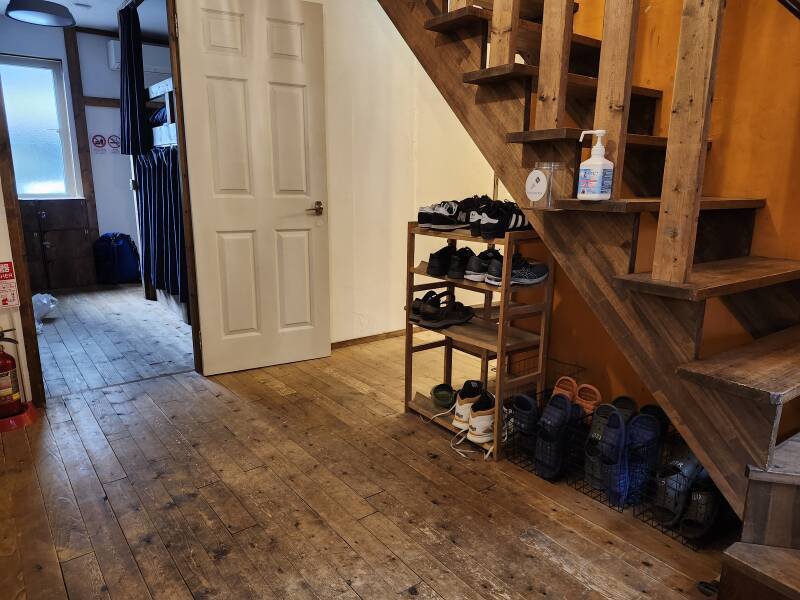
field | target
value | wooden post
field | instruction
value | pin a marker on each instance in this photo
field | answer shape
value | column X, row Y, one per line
column 620, row 22
column 551, row 94
column 698, row 48
column 409, row 338
column 504, row 31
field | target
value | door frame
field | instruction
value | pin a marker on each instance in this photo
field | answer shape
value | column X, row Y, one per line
column 16, row 236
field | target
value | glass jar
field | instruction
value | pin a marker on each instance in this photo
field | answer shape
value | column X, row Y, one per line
column 546, row 184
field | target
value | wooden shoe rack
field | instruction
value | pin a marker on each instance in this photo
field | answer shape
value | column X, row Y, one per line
column 491, row 335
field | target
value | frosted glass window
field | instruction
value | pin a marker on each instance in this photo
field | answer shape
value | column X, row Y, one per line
column 36, row 112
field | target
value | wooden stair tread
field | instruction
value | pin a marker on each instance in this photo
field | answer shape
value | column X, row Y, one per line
column 776, row 568
column 767, row 369
column 577, row 84
column 470, row 15
column 786, row 460
column 639, row 205
column 718, row 278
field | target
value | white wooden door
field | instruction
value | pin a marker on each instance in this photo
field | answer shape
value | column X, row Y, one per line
column 252, row 73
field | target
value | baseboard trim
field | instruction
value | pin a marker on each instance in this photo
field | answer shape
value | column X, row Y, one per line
column 367, row 339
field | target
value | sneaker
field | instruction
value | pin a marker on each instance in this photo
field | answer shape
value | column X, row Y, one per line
column 481, row 419
column 526, row 273
column 458, row 263
column 424, row 215
column 448, row 216
column 439, row 261
column 469, row 393
column 476, row 215
column 494, row 272
column 477, row 266
column 501, row 217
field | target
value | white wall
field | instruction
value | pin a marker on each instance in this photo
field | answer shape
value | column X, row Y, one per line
column 393, row 145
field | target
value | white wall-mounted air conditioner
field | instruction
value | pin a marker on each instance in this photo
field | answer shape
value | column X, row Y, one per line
column 155, row 59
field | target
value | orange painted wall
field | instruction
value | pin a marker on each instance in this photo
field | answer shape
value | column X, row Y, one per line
column 756, row 142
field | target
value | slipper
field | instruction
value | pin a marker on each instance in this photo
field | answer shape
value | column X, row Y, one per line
column 704, row 506
column 588, row 397
column 453, row 313
column 614, row 457
column 626, row 405
column 443, row 395
column 428, row 309
column 525, row 414
column 566, row 386
column 644, row 434
column 673, row 485
column 592, row 466
column 416, row 305
column 658, row 412
column 550, row 433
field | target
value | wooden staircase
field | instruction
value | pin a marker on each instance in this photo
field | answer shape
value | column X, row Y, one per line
column 728, row 408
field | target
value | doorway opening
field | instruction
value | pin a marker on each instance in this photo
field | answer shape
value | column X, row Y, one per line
column 106, row 229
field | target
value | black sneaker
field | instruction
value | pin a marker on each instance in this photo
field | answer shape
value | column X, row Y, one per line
column 479, row 265
column 476, row 214
column 448, row 216
column 439, row 261
column 501, row 217
column 526, row 273
column 494, row 273
column 458, row 262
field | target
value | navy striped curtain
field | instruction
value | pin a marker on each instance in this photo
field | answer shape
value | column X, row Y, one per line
column 137, row 136
column 161, row 221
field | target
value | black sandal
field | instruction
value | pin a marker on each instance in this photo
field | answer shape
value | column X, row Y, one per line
column 452, row 313
column 429, row 304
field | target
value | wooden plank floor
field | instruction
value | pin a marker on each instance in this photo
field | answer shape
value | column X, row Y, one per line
column 110, row 337
column 301, row 481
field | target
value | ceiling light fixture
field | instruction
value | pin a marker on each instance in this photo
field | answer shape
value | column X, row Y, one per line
column 40, row 12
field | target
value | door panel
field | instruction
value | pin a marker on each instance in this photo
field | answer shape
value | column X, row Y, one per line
column 252, row 73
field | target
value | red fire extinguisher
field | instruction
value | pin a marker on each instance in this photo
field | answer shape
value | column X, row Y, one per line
column 10, row 397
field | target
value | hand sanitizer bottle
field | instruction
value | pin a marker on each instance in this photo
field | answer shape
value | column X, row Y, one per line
column 596, row 173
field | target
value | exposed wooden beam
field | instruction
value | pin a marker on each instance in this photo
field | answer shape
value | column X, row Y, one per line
column 551, row 94
column 101, row 102
column 113, row 33
column 503, row 32
column 620, row 22
column 698, row 48
column 81, row 128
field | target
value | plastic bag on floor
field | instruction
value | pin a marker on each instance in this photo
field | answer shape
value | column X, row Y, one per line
column 43, row 305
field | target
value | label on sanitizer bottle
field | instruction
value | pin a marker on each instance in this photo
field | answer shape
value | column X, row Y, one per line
column 595, row 181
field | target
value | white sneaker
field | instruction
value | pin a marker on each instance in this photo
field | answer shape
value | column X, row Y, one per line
column 481, row 420
column 469, row 393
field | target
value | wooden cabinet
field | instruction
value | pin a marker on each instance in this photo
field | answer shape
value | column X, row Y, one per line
column 58, row 244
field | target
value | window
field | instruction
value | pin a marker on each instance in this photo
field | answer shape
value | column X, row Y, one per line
column 36, row 110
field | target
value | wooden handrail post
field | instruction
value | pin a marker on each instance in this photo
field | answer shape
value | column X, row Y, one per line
column 698, row 49
column 551, row 93
column 504, row 32
column 620, row 22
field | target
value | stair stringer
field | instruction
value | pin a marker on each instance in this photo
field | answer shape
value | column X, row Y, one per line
column 656, row 334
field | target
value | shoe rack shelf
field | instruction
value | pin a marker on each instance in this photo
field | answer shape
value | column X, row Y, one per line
column 491, row 335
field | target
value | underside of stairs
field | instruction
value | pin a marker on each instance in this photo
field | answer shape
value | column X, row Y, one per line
column 659, row 327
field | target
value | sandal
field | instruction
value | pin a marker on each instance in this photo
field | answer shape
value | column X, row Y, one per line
column 644, row 434
column 614, row 457
column 429, row 304
column 453, row 313
column 549, row 451
column 566, row 386
column 626, row 405
column 588, row 397
column 673, row 485
column 592, row 466
column 704, row 504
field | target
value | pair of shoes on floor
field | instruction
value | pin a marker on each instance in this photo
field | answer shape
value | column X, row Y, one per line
column 584, row 395
column 685, row 497
column 474, row 412
column 621, row 451
column 432, row 313
column 555, row 429
column 451, row 214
